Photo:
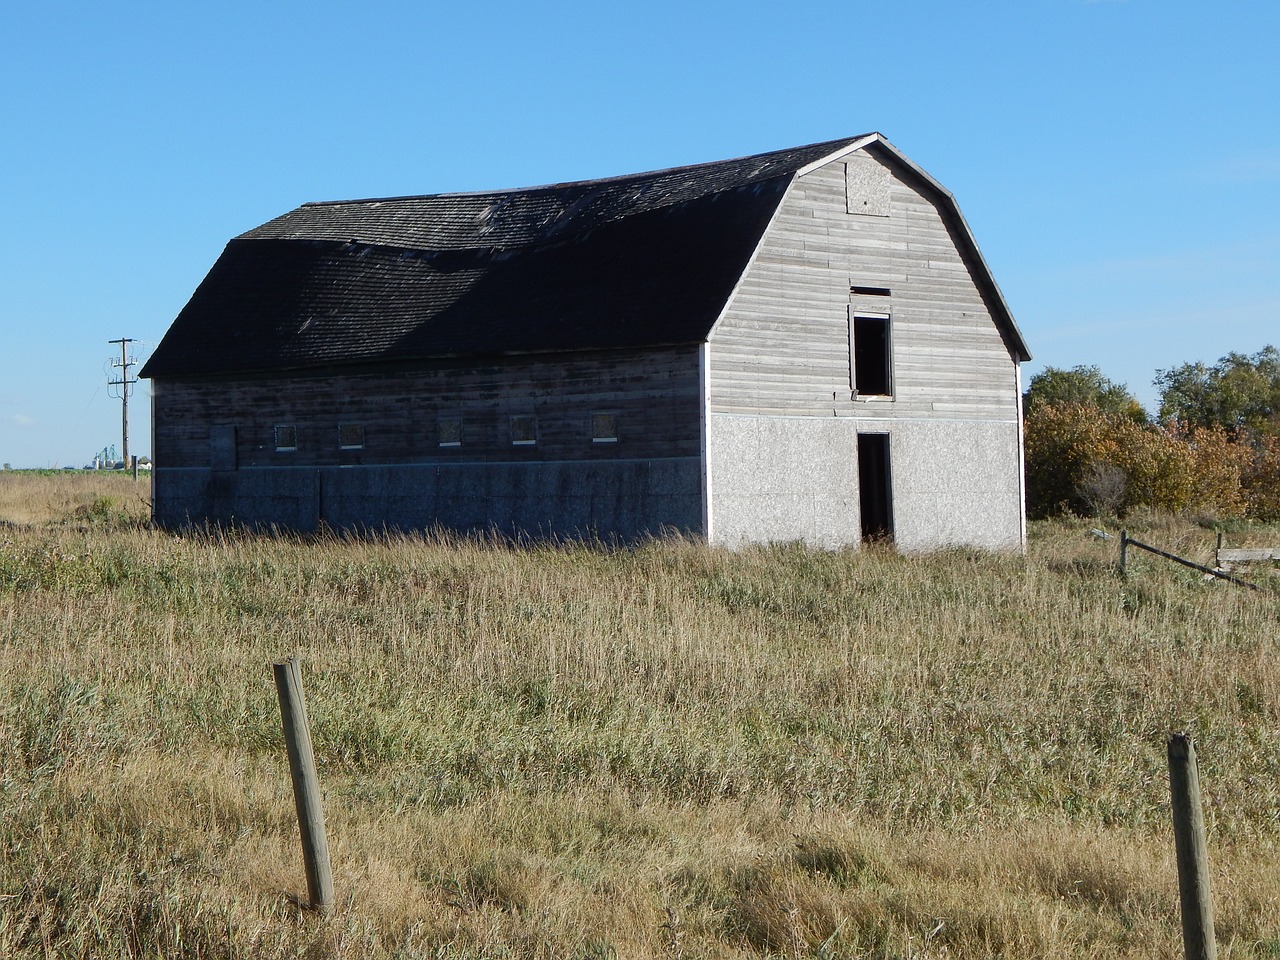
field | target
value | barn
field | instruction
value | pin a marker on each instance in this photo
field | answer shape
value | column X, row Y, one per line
column 802, row 345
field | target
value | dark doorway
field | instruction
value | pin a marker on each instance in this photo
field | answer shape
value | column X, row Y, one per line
column 874, row 486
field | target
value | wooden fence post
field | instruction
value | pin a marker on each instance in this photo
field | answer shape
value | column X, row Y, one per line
column 306, row 785
column 1193, row 858
column 1124, row 553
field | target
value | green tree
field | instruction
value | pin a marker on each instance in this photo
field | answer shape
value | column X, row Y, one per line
column 1239, row 393
column 1083, row 385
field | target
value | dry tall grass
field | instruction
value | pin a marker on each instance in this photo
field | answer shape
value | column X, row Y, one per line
column 669, row 751
column 30, row 497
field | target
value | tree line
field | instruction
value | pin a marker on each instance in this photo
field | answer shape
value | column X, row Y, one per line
column 1212, row 447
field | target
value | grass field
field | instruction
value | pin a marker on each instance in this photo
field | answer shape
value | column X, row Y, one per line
column 670, row 751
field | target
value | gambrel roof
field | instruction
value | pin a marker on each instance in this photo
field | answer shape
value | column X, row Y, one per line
column 633, row 261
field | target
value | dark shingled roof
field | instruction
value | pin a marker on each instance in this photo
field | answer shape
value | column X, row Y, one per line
column 628, row 261
column 641, row 260
column 517, row 218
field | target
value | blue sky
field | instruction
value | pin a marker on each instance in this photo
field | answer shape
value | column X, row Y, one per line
column 1117, row 160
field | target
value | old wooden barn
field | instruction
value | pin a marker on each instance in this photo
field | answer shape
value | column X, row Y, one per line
column 800, row 345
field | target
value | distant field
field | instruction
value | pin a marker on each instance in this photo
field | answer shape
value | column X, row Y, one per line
column 670, row 751
column 38, row 497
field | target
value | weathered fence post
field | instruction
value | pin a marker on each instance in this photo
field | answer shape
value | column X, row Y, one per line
column 306, row 785
column 1193, row 857
column 1124, row 553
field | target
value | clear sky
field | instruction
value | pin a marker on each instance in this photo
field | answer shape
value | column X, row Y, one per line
column 1117, row 160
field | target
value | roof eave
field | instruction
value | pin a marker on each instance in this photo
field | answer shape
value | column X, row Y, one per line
column 842, row 152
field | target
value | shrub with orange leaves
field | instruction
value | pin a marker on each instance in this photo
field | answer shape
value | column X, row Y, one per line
column 1064, row 442
column 1160, row 467
column 1220, row 462
column 1083, row 460
column 1261, row 479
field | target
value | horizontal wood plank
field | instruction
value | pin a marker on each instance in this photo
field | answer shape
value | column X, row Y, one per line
column 654, row 395
column 1248, row 554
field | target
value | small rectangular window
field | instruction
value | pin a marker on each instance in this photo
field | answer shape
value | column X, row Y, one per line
column 524, row 431
column 449, row 429
column 870, row 355
column 604, row 428
column 351, row 436
column 286, row 437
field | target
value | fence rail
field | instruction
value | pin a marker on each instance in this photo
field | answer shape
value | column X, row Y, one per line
column 1127, row 541
column 1226, row 556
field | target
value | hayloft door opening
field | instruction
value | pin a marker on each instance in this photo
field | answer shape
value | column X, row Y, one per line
column 875, row 486
column 869, row 350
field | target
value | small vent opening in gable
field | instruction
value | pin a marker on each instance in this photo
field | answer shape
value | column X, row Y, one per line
column 866, row 184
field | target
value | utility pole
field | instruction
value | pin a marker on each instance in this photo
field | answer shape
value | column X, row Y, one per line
column 126, row 387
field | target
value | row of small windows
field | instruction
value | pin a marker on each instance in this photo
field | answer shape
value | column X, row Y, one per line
column 523, row 431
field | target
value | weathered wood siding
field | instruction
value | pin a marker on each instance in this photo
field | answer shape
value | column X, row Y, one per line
column 655, row 396
column 782, row 346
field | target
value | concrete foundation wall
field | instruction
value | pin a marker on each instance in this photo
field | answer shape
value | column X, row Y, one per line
column 954, row 483
column 782, row 479
column 624, row 499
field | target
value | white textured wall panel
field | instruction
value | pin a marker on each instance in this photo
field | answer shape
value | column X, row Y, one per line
column 774, row 478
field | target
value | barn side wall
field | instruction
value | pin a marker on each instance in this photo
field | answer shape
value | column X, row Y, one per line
column 219, row 458
column 784, row 406
column 618, row 499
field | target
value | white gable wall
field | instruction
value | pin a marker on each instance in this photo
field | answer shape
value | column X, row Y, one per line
column 782, row 425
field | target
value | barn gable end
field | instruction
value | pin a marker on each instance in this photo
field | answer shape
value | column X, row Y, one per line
column 877, row 264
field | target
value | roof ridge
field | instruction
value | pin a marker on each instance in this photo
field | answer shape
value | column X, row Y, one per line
column 596, row 181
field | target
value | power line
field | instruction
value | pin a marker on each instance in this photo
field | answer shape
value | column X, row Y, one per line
column 126, row 387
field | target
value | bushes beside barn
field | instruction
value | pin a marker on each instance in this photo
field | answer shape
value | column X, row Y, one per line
column 1083, row 460
column 1088, row 453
